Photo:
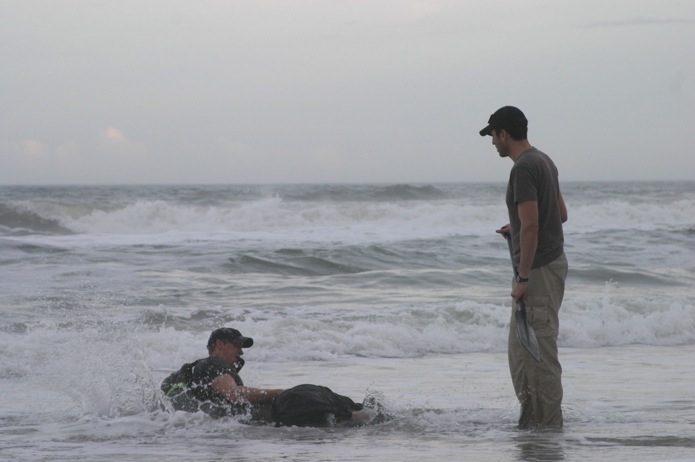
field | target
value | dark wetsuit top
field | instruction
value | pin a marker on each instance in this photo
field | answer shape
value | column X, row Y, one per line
column 190, row 388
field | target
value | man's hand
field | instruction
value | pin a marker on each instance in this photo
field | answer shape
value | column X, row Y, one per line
column 519, row 291
column 505, row 231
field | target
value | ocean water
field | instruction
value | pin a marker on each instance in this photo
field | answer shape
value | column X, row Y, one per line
column 399, row 290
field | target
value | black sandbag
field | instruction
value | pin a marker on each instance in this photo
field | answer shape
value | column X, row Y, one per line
column 312, row 406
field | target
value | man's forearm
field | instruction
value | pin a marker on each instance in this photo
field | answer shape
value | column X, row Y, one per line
column 227, row 387
column 252, row 395
column 528, row 236
column 528, row 241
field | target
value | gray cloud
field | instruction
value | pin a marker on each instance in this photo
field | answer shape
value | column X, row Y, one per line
column 315, row 91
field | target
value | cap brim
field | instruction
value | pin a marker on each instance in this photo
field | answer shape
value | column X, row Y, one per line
column 486, row 131
column 245, row 342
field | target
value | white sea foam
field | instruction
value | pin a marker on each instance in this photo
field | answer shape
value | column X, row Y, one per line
column 273, row 214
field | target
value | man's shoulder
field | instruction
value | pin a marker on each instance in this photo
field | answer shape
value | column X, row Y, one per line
column 210, row 361
column 184, row 377
column 532, row 155
column 211, row 364
column 533, row 160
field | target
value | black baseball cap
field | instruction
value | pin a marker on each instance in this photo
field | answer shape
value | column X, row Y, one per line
column 505, row 118
column 230, row 335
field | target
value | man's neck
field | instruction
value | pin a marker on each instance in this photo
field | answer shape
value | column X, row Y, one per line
column 517, row 148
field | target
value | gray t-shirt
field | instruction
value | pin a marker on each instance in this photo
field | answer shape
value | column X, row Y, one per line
column 534, row 177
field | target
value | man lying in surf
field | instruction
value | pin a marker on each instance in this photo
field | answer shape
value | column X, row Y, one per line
column 213, row 385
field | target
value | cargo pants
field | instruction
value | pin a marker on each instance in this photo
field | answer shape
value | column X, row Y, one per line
column 538, row 384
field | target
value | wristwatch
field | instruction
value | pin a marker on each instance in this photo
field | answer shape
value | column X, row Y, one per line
column 520, row 279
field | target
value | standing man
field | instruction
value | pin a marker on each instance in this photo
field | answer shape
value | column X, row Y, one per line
column 536, row 213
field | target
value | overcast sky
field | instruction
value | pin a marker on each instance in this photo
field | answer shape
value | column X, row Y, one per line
column 255, row 91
